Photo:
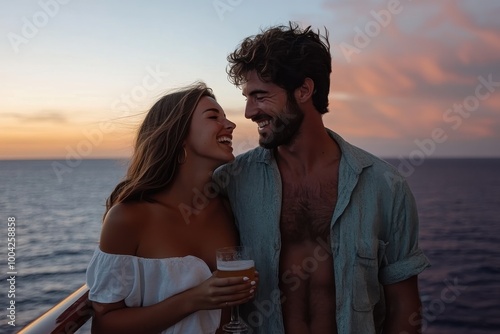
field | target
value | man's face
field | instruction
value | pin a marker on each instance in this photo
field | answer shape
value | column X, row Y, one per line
column 277, row 117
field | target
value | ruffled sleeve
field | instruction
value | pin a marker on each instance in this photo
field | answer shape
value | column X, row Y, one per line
column 112, row 278
column 144, row 281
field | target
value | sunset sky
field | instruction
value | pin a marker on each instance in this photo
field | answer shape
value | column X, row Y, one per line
column 410, row 78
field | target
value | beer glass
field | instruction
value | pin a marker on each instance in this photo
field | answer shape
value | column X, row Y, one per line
column 233, row 262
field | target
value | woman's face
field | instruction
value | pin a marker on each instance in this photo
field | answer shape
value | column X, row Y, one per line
column 210, row 133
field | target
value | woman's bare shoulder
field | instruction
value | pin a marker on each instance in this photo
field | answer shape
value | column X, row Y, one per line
column 122, row 228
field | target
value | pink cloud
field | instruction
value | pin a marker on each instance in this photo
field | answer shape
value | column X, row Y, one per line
column 404, row 80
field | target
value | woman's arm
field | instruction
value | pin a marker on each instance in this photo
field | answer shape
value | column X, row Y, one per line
column 214, row 293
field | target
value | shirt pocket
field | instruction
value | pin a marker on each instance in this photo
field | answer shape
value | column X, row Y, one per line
column 366, row 288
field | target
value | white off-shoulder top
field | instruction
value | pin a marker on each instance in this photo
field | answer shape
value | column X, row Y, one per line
column 144, row 281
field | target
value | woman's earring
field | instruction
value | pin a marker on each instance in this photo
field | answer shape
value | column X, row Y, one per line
column 181, row 158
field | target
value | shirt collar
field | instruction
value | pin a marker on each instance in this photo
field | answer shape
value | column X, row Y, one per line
column 356, row 158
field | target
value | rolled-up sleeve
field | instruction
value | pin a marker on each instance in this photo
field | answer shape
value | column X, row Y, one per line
column 404, row 258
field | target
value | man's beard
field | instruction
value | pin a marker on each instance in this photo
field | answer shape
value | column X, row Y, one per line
column 285, row 127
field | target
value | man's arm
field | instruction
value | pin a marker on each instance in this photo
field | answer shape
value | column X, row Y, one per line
column 403, row 307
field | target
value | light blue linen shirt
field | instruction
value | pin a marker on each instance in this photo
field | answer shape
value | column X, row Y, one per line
column 373, row 235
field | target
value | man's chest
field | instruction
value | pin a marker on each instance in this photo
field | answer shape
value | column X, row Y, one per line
column 307, row 207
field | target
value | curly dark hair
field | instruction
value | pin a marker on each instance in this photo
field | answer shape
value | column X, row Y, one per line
column 285, row 56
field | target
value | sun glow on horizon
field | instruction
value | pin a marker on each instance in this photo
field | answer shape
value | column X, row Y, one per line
column 398, row 74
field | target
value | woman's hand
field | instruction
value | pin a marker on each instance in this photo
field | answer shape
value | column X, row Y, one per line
column 218, row 292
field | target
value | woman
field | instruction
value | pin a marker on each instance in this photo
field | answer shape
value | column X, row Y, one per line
column 152, row 271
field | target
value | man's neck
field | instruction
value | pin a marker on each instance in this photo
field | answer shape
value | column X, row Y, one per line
column 312, row 148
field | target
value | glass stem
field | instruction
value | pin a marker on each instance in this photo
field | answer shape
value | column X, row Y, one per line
column 235, row 314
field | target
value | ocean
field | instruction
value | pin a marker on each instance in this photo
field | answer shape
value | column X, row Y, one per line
column 58, row 208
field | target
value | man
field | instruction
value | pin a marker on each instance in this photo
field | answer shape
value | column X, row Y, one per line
column 334, row 229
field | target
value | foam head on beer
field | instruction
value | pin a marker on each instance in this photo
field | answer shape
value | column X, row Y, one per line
column 235, row 262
